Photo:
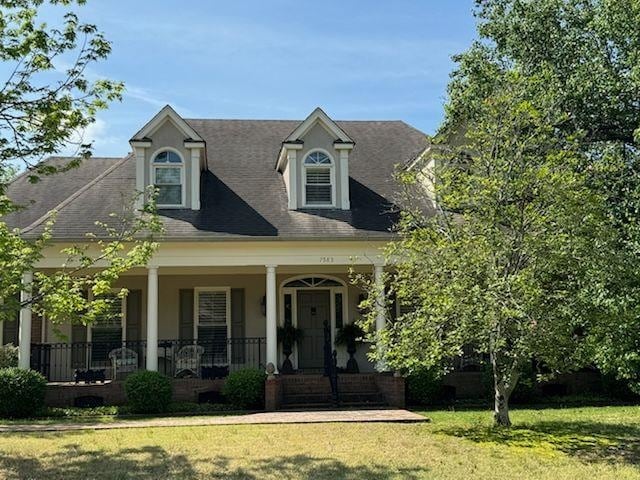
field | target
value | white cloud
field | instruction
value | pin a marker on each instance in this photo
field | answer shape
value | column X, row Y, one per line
column 98, row 134
column 156, row 100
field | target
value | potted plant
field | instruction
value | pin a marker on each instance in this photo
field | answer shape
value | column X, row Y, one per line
column 288, row 336
column 349, row 335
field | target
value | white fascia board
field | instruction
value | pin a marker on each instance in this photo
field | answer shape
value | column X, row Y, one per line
column 343, row 146
column 156, row 121
column 140, row 143
column 315, row 116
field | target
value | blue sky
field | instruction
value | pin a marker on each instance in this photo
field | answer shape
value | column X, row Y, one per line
column 357, row 59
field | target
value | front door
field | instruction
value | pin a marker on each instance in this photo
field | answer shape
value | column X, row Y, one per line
column 313, row 310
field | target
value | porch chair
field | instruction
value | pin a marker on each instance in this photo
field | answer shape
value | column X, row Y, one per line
column 123, row 361
column 188, row 361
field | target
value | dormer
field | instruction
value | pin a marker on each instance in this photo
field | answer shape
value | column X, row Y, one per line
column 170, row 155
column 314, row 163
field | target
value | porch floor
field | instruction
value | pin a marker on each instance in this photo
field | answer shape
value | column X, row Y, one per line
column 329, row 416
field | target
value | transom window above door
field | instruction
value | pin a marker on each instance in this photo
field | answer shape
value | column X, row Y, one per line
column 318, row 180
column 168, row 178
column 313, row 282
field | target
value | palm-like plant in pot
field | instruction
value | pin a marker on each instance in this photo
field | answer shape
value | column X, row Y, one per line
column 288, row 336
column 349, row 335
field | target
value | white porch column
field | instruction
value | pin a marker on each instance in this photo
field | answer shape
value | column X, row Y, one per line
column 24, row 329
column 272, row 324
column 381, row 317
column 152, row 319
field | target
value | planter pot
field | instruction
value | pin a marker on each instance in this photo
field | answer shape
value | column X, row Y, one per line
column 352, row 364
column 287, row 366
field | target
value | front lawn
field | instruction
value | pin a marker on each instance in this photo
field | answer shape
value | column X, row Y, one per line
column 590, row 443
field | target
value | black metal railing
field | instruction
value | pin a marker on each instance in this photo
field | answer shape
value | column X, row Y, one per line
column 101, row 361
column 469, row 361
column 331, row 364
column 88, row 361
column 213, row 358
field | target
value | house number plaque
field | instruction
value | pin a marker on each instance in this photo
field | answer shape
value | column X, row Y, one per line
column 326, row 259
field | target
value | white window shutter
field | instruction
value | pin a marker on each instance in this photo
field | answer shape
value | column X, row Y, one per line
column 212, row 308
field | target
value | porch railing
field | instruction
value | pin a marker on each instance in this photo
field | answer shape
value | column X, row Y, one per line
column 98, row 361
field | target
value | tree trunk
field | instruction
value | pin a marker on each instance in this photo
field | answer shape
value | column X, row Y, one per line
column 501, row 407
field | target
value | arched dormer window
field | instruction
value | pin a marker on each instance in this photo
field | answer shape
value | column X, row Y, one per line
column 168, row 177
column 319, row 180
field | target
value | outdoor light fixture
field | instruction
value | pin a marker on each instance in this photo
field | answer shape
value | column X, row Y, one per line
column 263, row 305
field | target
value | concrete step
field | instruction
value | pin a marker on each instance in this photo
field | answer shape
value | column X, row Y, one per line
column 300, row 398
column 361, row 397
column 313, row 391
column 330, row 406
column 365, row 398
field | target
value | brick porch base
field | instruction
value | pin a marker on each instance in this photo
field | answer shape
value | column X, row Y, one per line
column 112, row 392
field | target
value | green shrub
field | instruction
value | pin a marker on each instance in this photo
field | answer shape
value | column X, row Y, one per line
column 124, row 410
column 73, row 412
column 618, row 389
column 8, row 356
column 424, row 387
column 245, row 388
column 148, row 392
column 21, row 392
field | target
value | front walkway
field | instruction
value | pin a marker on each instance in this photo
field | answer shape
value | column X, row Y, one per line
column 332, row 416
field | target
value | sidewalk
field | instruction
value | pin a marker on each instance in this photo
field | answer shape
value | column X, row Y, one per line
column 330, row 416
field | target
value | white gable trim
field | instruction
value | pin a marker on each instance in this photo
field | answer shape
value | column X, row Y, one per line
column 318, row 116
column 158, row 120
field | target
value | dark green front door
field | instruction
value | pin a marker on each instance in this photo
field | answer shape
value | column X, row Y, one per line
column 314, row 309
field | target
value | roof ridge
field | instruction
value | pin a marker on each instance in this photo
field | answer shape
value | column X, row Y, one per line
column 286, row 120
column 76, row 194
column 429, row 137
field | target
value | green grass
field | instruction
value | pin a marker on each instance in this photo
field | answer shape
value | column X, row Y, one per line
column 578, row 443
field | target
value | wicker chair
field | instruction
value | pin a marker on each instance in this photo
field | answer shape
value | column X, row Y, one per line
column 123, row 361
column 188, row 361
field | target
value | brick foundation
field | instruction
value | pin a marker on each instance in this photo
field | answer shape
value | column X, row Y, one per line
column 466, row 384
column 392, row 389
column 112, row 393
column 470, row 385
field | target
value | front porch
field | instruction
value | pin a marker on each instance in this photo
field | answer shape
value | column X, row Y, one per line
column 201, row 311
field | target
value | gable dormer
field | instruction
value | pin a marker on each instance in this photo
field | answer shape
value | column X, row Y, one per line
column 170, row 155
column 314, row 163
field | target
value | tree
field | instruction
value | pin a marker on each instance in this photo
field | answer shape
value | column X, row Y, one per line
column 509, row 263
column 533, row 251
column 44, row 107
column 589, row 53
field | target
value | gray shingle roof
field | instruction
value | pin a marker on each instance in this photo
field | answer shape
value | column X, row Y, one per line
column 243, row 196
column 35, row 200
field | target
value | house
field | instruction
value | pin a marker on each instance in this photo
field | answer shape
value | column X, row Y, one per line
column 263, row 220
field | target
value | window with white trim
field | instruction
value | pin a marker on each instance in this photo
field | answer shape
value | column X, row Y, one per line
column 168, row 178
column 213, row 317
column 318, row 179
